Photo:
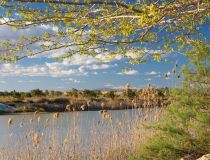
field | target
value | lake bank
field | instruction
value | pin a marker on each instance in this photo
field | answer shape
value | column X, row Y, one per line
column 86, row 100
column 66, row 104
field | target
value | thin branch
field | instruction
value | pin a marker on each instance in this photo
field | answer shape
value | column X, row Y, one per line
column 81, row 3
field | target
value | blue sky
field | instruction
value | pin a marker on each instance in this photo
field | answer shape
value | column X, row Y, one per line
column 45, row 72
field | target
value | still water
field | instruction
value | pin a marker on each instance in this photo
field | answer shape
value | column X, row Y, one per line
column 83, row 124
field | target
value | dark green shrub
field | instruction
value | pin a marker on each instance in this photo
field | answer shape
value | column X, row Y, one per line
column 183, row 131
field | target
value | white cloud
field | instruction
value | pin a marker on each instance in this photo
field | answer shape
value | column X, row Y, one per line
column 51, row 54
column 3, row 82
column 50, row 27
column 109, row 85
column 106, row 57
column 152, row 73
column 49, row 69
column 71, row 80
column 8, row 33
column 63, row 68
column 129, row 72
column 95, row 73
column 158, row 76
column 78, row 60
column 30, row 81
column 148, row 79
column 52, row 69
column 99, row 66
column 74, row 80
column 168, row 73
column 133, row 54
column 14, row 70
column 96, row 67
column 88, row 60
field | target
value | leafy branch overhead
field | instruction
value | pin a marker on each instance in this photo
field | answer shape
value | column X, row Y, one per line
column 90, row 27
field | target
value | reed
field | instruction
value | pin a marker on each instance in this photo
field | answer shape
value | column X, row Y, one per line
column 108, row 139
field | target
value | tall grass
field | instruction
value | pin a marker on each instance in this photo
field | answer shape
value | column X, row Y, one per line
column 107, row 138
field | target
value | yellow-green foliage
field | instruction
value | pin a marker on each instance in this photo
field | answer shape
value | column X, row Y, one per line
column 117, row 27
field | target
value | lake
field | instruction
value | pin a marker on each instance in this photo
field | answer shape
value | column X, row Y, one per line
column 78, row 129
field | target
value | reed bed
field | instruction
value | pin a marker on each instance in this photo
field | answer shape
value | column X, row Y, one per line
column 107, row 138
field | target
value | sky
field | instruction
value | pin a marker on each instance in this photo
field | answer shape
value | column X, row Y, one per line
column 86, row 72
column 82, row 72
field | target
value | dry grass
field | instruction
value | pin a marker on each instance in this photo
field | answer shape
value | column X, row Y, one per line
column 108, row 139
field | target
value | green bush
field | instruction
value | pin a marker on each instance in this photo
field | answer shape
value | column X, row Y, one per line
column 37, row 93
column 129, row 93
column 183, row 131
column 110, row 94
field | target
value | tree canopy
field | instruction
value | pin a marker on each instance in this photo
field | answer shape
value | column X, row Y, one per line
column 141, row 27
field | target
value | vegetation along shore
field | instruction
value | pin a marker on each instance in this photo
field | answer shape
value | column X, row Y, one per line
column 83, row 100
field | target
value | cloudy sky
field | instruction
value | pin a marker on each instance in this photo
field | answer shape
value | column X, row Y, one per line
column 45, row 72
column 86, row 72
column 82, row 72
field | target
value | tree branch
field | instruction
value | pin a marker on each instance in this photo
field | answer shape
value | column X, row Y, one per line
column 81, row 3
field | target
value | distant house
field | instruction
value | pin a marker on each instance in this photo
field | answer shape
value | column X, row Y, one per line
column 6, row 108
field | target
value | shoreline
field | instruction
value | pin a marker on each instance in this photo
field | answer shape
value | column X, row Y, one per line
column 32, row 113
column 66, row 111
